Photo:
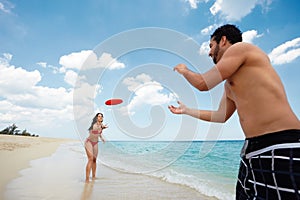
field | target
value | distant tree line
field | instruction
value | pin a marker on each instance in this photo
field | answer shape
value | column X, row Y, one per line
column 13, row 130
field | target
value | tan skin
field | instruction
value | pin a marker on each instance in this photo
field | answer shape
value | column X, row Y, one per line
column 252, row 87
column 92, row 151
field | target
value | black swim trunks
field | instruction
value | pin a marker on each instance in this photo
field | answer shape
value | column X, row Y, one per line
column 270, row 167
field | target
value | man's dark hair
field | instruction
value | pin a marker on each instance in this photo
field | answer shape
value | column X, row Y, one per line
column 232, row 33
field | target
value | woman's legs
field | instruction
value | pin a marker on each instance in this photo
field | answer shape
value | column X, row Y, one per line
column 94, row 165
column 89, row 153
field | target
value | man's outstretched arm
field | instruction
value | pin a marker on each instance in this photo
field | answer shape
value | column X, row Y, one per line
column 222, row 114
column 231, row 61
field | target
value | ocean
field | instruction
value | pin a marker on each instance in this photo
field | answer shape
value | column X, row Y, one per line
column 208, row 168
column 211, row 168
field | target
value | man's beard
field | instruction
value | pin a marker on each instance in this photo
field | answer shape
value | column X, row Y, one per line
column 216, row 52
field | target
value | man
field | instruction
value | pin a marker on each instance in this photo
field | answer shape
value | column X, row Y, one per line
column 270, row 165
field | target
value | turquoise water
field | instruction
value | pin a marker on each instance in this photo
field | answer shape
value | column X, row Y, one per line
column 209, row 167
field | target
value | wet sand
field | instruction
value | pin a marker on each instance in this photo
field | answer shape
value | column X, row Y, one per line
column 47, row 168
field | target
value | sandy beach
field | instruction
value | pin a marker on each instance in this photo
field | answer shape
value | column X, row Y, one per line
column 48, row 168
column 17, row 151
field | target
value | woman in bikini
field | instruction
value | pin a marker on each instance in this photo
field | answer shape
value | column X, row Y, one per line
column 91, row 144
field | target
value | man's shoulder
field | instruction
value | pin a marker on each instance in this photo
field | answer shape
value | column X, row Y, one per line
column 243, row 45
column 246, row 48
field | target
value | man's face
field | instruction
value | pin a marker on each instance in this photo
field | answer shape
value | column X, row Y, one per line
column 214, row 50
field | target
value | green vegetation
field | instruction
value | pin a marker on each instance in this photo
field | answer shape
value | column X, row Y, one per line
column 12, row 130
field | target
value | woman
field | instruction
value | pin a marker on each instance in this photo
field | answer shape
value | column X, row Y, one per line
column 91, row 144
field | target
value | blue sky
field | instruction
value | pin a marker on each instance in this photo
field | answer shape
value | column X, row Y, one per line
column 61, row 59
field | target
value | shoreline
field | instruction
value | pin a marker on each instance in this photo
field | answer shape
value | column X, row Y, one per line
column 16, row 152
column 27, row 158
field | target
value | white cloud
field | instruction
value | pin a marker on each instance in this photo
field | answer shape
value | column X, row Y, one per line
column 216, row 7
column 4, row 61
column 85, row 93
column 36, row 120
column 83, row 101
column 54, row 69
column 204, row 49
column 134, row 82
column 42, row 64
column 16, row 80
column 193, row 3
column 87, row 59
column 234, row 10
column 77, row 59
column 107, row 61
column 71, row 77
column 249, row 36
column 29, row 105
column 146, row 92
column 4, row 8
column 286, row 53
column 19, row 86
column 83, row 60
column 208, row 30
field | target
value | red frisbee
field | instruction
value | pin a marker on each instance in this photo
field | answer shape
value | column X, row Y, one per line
column 112, row 102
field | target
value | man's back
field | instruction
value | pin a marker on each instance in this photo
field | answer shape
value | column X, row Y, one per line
column 258, row 94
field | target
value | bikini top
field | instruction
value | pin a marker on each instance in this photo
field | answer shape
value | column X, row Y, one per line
column 97, row 129
column 94, row 131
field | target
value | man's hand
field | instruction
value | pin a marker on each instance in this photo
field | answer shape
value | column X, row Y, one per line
column 181, row 109
column 181, row 68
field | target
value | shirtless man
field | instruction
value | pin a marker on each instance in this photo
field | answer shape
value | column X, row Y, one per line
column 272, row 130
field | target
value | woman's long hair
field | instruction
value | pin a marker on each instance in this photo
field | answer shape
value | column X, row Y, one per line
column 94, row 120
